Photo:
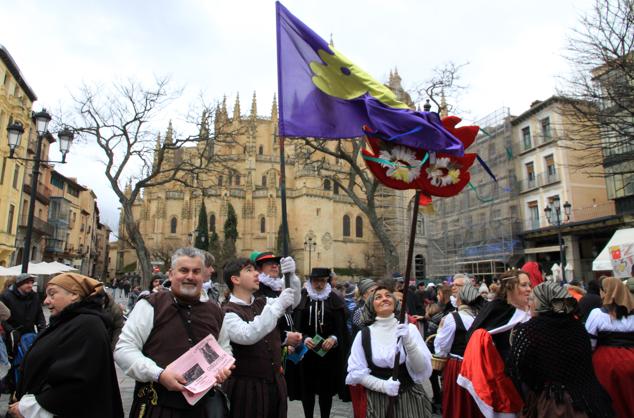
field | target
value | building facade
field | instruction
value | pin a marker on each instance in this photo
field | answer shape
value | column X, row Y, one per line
column 16, row 101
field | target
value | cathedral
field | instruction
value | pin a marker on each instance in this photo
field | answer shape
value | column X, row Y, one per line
column 326, row 228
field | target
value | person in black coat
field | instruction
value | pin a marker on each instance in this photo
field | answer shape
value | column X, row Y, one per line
column 320, row 317
column 24, row 303
column 69, row 371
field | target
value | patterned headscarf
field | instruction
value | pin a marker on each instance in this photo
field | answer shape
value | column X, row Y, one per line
column 551, row 297
column 369, row 314
column 615, row 292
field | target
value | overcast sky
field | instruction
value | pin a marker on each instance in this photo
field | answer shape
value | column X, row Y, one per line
column 514, row 50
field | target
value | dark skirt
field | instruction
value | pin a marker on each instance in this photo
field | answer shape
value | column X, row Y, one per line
column 411, row 403
column 315, row 375
column 456, row 401
column 141, row 409
column 614, row 367
column 252, row 397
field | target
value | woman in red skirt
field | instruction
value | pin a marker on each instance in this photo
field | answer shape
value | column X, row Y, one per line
column 611, row 329
column 451, row 342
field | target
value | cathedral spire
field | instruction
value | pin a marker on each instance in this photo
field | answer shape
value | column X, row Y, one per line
column 443, row 105
column 203, row 134
column 274, row 109
column 254, row 107
column 169, row 135
column 236, row 108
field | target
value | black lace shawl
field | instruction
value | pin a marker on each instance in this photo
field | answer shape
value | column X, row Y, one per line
column 552, row 353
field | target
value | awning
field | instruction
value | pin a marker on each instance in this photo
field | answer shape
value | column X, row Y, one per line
column 43, row 268
column 548, row 249
column 620, row 237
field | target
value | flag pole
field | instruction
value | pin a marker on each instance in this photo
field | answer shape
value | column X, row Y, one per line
column 408, row 271
column 281, row 135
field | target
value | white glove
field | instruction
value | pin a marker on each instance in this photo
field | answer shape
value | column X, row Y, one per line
column 402, row 330
column 286, row 298
column 390, row 387
column 287, row 265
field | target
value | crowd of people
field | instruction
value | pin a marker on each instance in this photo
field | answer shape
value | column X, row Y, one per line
column 519, row 346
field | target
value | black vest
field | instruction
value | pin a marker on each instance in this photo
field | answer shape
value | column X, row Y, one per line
column 384, row 373
column 460, row 337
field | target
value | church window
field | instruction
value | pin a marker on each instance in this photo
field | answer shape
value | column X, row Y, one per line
column 327, row 185
column 359, row 227
column 220, row 181
column 335, row 188
column 212, row 222
column 230, row 180
column 261, row 150
column 173, row 224
column 263, row 181
column 346, row 226
column 262, row 224
column 237, row 179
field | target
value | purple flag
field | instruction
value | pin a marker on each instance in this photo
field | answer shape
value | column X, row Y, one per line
column 322, row 94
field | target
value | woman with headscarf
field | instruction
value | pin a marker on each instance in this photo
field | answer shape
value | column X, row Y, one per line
column 611, row 330
column 451, row 342
column 320, row 317
column 551, row 361
column 482, row 372
column 372, row 359
column 69, row 370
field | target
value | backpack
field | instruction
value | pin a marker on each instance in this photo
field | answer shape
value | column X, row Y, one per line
column 25, row 343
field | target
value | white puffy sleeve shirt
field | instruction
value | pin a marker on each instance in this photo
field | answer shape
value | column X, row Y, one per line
column 416, row 355
column 602, row 321
column 447, row 332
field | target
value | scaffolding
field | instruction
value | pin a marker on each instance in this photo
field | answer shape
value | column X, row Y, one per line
column 476, row 232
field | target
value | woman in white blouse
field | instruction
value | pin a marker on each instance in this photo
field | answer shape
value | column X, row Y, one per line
column 611, row 330
column 451, row 341
column 372, row 358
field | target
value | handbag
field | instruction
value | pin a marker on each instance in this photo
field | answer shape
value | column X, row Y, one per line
column 217, row 403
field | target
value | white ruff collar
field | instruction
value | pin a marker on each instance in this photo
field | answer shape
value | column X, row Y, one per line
column 275, row 284
column 314, row 295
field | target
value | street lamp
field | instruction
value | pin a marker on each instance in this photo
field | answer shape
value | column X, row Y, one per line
column 15, row 131
column 555, row 217
column 310, row 246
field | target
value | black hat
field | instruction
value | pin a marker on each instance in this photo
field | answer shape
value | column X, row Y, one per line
column 318, row 272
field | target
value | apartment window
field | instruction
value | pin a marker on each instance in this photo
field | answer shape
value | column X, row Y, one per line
column 546, row 132
column 10, row 219
column 549, row 160
column 16, row 175
column 359, row 227
column 73, row 191
column 526, row 138
column 530, row 172
column 4, row 165
column 533, row 214
column 346, row 226
column 262, row 225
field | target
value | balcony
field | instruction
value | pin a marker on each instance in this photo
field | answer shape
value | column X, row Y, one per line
column 54, row 245
column 39, row 225
column 551, row 177
column 42, row 193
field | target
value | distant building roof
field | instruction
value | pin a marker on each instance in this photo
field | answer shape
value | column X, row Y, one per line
column 15, row 71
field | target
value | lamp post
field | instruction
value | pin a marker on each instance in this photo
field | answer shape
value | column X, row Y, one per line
column 15, row 130
column 556, row 217
column 309, row 245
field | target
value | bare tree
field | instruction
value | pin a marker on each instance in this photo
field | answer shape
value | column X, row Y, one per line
column 119, row 121
column 600, row 89
column 445, row 82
